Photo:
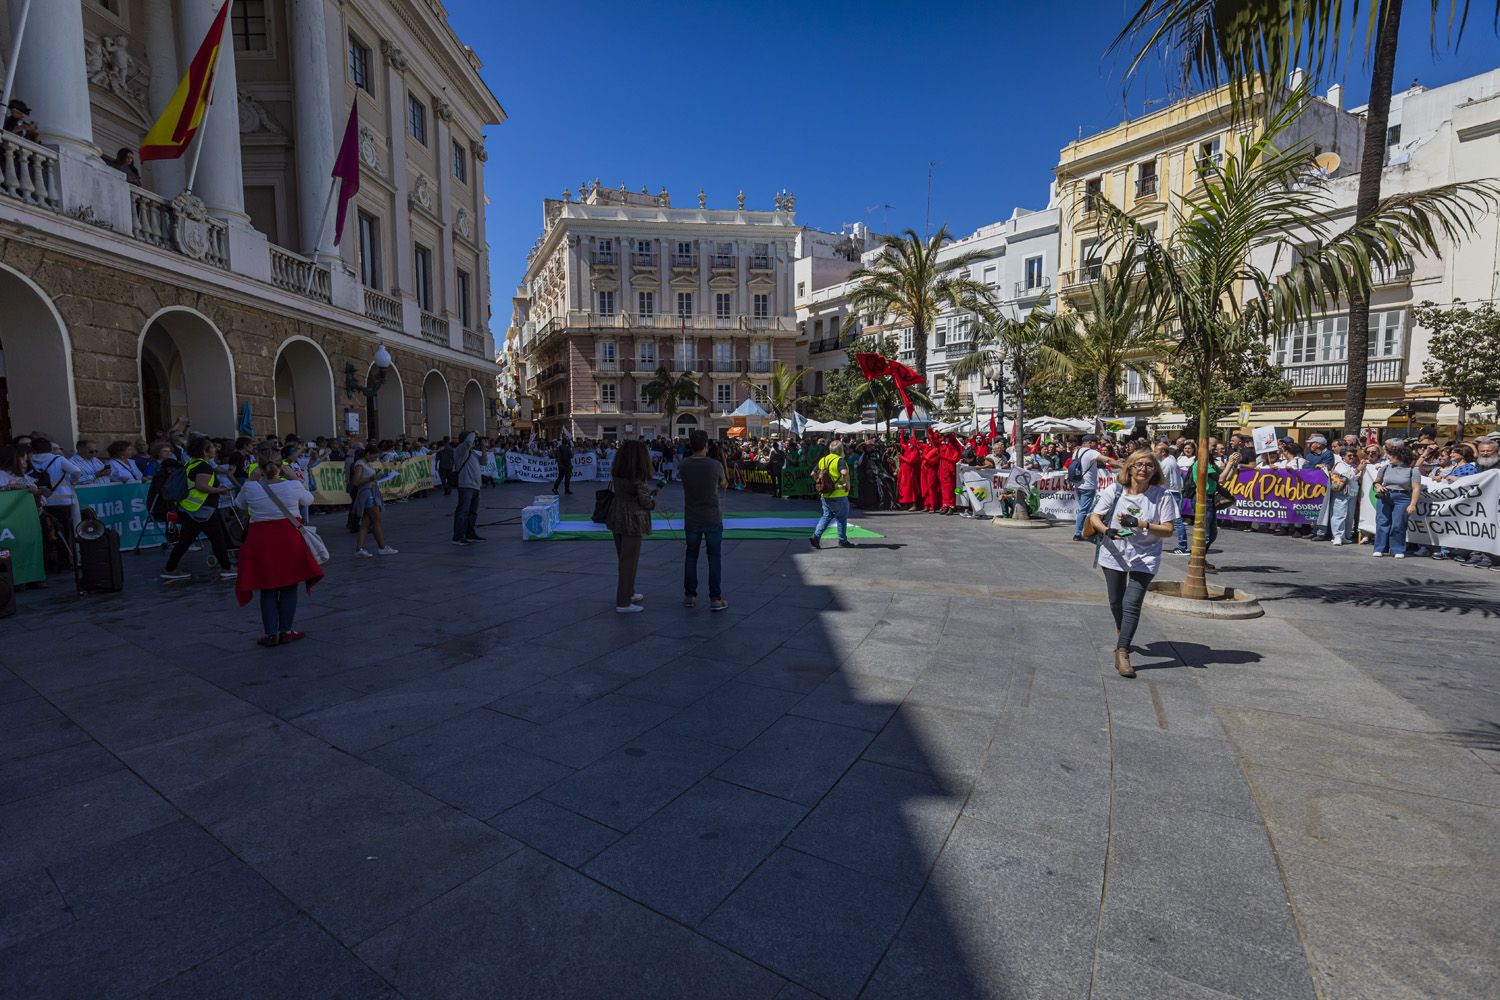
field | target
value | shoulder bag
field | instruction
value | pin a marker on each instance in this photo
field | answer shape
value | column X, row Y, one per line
column 309, row 534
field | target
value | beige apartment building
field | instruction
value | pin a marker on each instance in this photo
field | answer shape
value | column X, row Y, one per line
column 620, row 285
column 131, row 305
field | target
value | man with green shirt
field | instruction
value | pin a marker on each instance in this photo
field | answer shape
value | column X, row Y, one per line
column 835, row 499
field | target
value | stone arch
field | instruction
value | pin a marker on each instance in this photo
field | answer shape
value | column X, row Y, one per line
column 185, row 369
column 475, row 414
column 437, row 406
column 36, row 363
column 686, row 424
column 304, row 390
column 386, row 410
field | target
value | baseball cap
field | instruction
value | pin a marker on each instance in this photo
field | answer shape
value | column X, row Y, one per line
column 1317, row 438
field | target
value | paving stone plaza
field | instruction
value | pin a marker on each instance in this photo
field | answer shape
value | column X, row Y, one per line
column 902, row 770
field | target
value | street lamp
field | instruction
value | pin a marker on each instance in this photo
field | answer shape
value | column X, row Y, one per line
column 352, row 383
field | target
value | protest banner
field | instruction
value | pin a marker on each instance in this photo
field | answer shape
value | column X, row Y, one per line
column 523, row 468
column 1274, row 496
column 122, row 506
column 980, row 489
column 329, row 487
column 21, row 536
column 1462, row 514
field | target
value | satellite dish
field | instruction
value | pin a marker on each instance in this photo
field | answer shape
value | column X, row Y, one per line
column 1328, row 162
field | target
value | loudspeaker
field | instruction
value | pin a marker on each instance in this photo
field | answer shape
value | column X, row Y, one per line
column 100, row 570
column 7, row 588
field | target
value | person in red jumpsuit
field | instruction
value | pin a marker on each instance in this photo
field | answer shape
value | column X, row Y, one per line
column 981, row 447
column 949, row 452
column 930, row 494
column 909, row 476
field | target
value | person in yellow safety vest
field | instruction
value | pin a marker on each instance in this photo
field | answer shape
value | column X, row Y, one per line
column 201, row 505
column 835, row 500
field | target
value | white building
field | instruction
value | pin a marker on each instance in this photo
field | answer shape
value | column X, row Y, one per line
column 620, row 285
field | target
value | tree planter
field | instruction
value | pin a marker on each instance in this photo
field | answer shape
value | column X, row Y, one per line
column 1021, row 522
column 1223, row 602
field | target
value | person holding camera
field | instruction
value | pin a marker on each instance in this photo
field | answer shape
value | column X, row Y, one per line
column 1130, row 517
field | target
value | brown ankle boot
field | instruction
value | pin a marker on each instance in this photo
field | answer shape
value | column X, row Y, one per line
column 1122, row 663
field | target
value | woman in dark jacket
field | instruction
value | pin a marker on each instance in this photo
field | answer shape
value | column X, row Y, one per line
column 629, row 518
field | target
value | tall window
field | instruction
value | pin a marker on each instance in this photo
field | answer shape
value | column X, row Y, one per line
column 609, row 393
column 723, row 305
column 724, row 356
column 724, row 394
column 760, row 256
column 359, row 65
column 416, row 118
column 369, row 250
column 760, row 356
column 606, row 303
column 644, row 255
column 685, row 304
column 940, row 334
column 684, row 256
column 645, row 304
column 989, row 276
column 460, row 162
column 1135, row 386
column 463, row 298
column 723, row 255
column 1093, row 193
column 604, row 252
column 607, row 354
column 760, row 306
column 646, row 351
column 249, row 20
column 1145, row 179
column 1209, row 154
column 424, row 277
column 1034, row 271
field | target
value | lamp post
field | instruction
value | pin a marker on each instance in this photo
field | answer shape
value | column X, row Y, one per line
column 369, row 390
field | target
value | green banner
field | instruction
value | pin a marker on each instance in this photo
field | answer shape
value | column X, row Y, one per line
column 21, row 536
column 326, row 481
column 122, row 506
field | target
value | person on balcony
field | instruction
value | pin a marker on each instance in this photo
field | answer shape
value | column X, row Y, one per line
column 124, row 162
column 18, row 121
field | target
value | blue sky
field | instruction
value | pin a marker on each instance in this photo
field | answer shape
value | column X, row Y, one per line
column 842, row 103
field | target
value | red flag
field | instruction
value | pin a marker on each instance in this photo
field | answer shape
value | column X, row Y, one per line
column 346, row 170
column 993, row 429
column 872, row 365
column 904, row 378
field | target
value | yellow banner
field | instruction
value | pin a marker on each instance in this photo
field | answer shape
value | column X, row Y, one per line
column 328, row 486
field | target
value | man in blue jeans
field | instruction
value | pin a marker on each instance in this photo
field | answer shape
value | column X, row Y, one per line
column 703, row 522
column 1088, row 459
column 836, row 500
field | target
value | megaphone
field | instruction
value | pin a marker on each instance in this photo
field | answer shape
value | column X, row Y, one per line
column 89, row 525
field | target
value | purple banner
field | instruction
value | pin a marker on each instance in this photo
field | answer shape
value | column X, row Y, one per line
column 1273, row 496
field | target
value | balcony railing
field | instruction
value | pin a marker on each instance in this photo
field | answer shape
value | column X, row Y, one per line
column 604, row 364
column 1027, row 289
column 760, row 263
column 639, row 259
column 1401, row 274
column 731, row 365
column 434, row 328
column 474, row 343
column 645, row 407
column 760, row 364
column 723, row 263
column 1385, row 371
column 1145, row 187
column 294, row 273
column 958, row 350
column 1085, row 275
column 684, row 260
column 825, row 345
column 606, row 257
column 28, row 172
column 383, row 309
column 181, row 225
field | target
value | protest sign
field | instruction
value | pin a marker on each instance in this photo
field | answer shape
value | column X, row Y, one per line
column 1264, row 439
column 523, row 468
column 1274, row 496
column 329, row 487
column 980, row 489
column 1462, row 514
column 21, row 536
column 122, row 506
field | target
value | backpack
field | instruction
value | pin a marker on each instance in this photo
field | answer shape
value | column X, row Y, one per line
column 1075, row 469
column 174, row 489
column 823, row 482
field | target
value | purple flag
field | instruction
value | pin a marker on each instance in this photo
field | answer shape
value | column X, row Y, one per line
column 346, row 169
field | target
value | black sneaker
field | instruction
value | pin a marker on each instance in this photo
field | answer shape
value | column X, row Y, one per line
column 844, row 543
column 814, row 543
column 459, row 541
column 475, row 538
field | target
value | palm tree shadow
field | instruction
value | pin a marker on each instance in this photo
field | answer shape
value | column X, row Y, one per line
column 1410, row 594
column 1485, row 736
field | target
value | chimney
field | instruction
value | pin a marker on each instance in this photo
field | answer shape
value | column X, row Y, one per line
column 1336, row 96
column 1298, row 77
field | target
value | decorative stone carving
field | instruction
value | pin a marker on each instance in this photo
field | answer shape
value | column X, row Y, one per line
column 111, row 66
column 702, row 199
column 483, row 156
column 664, row 199
column 190, row 225
column 422, row 194
column 567, row 195
column 254, row 118
column 463, row 223
column 740, row 201
column 369, row 147
column 394, row 55
column 778, row 201
column 791, row 203
column 442, row 110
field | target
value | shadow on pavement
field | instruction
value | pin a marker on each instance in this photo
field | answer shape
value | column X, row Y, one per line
column 1408, row 594
column 1193, row 654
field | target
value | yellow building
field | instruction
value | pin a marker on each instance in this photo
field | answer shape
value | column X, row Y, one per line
column 1147, row 165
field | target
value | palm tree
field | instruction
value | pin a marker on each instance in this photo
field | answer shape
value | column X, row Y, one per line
column 780, row 395
column 1255, row 45
column 670, row 391
column 1119, row 331
column 1206, row 283
column 1028, row 345
column 908, row 285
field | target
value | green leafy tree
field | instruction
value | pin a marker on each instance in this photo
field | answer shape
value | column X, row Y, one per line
column 1254, row 45
column 1062, row 396
column 1244, row 374
column 780, row 395
column 908, row 285
column 670, row 391
column 1204, row 280
column 1464, row 353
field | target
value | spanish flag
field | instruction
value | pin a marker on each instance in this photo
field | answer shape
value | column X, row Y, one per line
column 173, row 132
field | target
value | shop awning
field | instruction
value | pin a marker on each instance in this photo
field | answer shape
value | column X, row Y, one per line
column 1447, row 415
column 1265, row 417
column 1382, row 416
column 1321, row 418
column 1169, row 421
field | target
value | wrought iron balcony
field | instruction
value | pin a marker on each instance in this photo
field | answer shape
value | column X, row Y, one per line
column 1384, row 371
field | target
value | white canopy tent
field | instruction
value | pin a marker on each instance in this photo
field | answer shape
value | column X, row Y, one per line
column 1058, row 425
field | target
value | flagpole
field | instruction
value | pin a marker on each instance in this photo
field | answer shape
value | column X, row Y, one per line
column 15, row 53
column 322, row 229
column 213, row 89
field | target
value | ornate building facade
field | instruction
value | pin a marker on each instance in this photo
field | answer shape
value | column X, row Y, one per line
column 132, row 305
column 621, row 285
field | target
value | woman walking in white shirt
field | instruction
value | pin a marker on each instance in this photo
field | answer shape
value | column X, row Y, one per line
column 274, row 557
column 1132, row 515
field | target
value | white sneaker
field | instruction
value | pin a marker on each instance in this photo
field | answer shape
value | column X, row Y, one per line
column 1400, row 555
column 361, row 553
column 637, row 598
column 1377, row 555
column 1338, row 541
column 388, row 551
column 228, row 574
column 629, row 609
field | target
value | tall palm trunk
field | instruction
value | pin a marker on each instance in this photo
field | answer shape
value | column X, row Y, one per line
column 1106, row 396
column 1195, row 585
column 919, row 344
column 1371, row 163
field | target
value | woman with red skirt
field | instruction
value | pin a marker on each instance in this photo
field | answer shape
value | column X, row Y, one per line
column 908, row 476
column 274, row 558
